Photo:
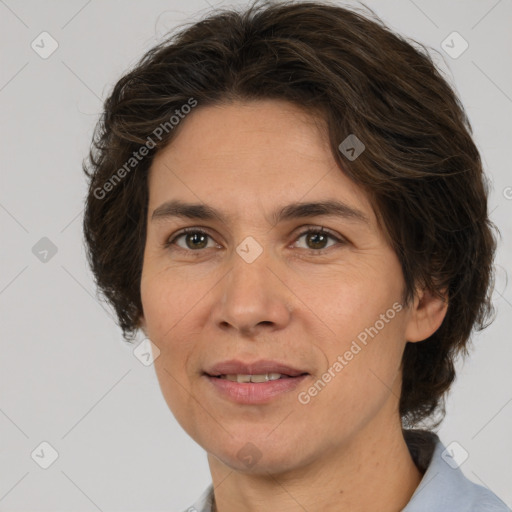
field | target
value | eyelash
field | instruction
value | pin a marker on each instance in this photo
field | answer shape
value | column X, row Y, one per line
column 314, row 230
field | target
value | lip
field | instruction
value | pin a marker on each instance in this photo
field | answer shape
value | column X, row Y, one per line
column 253, row 393
column 234, row 366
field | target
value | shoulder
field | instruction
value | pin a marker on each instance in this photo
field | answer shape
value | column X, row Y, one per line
column 204, row 502
column 444, row 486
column 481, row 499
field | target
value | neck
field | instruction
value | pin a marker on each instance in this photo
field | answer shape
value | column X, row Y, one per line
column 374, row 470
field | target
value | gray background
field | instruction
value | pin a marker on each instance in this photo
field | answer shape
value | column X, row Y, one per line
column 67, row 377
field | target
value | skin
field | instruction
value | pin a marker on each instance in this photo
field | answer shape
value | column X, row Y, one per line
column 296, row 303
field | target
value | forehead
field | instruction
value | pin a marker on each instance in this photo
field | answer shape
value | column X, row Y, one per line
column 248, row 155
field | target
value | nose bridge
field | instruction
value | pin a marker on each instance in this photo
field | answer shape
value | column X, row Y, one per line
column 251, row 295
column 249, row 268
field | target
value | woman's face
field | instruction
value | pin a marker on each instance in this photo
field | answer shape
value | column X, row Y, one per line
column 256, row 283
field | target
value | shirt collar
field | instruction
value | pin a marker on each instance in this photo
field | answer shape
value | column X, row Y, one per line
column 444, row 486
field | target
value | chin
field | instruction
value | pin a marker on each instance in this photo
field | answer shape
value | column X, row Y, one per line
column 263, row 466
column 259, row 456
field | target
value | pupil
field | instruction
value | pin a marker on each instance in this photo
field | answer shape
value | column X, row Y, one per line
column 193, row 238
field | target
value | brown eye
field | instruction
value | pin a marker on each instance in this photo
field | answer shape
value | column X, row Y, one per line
column 195, row 239
column 317, row 239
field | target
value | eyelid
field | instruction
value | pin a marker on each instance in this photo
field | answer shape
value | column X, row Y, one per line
column 303, row 230
column 192, row 229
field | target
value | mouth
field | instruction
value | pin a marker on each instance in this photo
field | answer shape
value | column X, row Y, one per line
column 262, row 369
column 258, row 378
column 253, row 383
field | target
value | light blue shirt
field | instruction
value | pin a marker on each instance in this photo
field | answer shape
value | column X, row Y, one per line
column 443, row 488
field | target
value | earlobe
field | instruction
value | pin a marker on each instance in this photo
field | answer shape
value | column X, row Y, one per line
column 426, row 316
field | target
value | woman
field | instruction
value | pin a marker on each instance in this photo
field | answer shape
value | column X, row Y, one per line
column 289, row 204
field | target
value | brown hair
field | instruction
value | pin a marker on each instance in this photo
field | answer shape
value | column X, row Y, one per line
column 420, row 167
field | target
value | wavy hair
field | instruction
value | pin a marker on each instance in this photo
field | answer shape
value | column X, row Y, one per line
column 421, row 168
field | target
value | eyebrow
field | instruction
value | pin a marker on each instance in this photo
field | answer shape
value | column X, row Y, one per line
column 177, row 208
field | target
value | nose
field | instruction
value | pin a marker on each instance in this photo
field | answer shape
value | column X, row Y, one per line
column 252, row 298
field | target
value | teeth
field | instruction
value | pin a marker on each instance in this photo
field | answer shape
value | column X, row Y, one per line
column 252, row 378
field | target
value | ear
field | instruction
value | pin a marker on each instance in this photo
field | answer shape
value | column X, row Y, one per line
column 426, row 315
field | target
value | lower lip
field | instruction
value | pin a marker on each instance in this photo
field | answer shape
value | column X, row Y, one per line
column 254, row 392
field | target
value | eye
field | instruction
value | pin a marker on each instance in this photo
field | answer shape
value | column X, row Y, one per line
column 194, row 239
column 316, row 239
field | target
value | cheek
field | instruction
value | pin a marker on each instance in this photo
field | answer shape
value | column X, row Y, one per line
column 169, row 327
column 365, row 341
column 167, row 319
column 370, row 327
column 350, row 300
column 358, row 381
column 165, row 300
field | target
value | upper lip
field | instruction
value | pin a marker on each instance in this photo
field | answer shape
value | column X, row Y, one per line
column 262, row 366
